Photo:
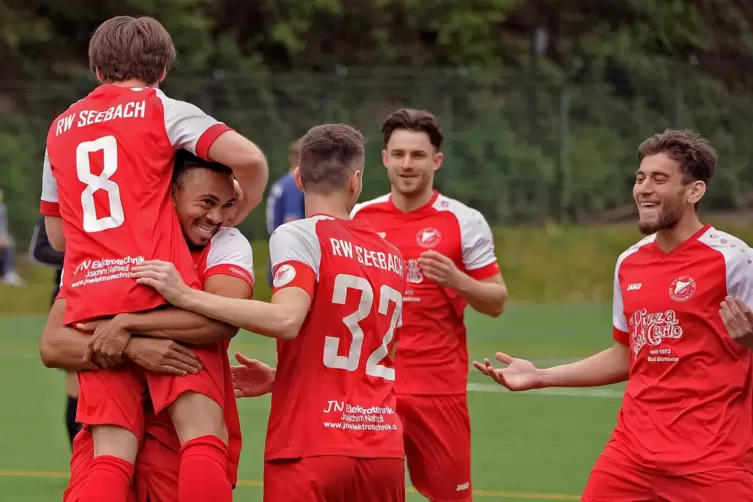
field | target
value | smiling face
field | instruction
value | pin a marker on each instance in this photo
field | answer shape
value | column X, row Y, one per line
column 411, row 161
column 203, row 200
column 663, row 194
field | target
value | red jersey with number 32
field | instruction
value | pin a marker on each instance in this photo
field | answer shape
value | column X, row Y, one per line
column 688, row 404
column 107, row 173
column 334, row 388
column 433, row 355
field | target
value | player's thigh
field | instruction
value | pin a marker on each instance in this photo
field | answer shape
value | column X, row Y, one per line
column 437, row 431
column 157, row 468
column 81, row 461
column 612, row 481
column 718, row 485
column 379, row 480
column 112, row 397
column 209, row 381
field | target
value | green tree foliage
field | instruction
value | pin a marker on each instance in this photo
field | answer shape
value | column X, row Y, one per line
column 532, row 135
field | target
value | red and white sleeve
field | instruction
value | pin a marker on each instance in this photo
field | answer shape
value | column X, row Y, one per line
column 230, row 254
column 189, row 128
column 49, row 205
column 619, row 322
column 296, row 255
column 479, row 258
column 739, row 264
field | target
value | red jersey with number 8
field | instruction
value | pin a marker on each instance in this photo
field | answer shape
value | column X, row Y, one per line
column 107, row 173
column 334, row 388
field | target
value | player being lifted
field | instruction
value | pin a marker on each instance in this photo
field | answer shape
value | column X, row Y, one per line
column 333, row 432
column 203, row 196
column 106, row 198
column 449, row 249
column 685, row 429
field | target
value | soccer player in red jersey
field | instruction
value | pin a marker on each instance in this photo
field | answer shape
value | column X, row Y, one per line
column 449, row 250
column 204, row 196
column 333, row 432
column 685, row 429
column 106, row 184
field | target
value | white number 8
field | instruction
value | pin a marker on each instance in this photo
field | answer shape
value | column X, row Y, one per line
column 109, row 147
column 343, row 283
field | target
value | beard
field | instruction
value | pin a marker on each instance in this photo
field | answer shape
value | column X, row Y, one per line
column 668, row 218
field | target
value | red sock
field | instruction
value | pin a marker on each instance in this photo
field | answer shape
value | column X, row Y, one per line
column 109, row 480
column 203, row 471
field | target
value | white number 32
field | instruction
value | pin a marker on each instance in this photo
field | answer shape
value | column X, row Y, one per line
column 343, row 283
column 109, row 147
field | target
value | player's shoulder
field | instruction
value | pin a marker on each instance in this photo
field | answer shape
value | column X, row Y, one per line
column 464, row 213
column 378, row 203
column 734, row 249
column 229, row 237
column 632, row 250
column 304, row 229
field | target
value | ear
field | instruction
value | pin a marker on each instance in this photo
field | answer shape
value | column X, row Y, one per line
column 297, row 178
column 438, row 159
column 697, row 191
column 384, row 158
column 162, row 77
column 98, row 74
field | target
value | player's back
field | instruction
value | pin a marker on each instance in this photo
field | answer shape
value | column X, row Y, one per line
column 107, row 174
column 334, row 388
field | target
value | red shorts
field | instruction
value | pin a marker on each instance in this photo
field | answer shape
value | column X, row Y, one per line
column 116, row 396
column 437, row 432
column 335, row 479
column 612, row 481
column 156, row 473
column 157, row 468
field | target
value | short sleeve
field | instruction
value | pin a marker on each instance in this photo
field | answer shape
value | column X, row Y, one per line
column 189, row 128
column 619, row 322
column 296, row 255
column 740, row 274
column 49, row 205
column 479, row 258
column 230, row 254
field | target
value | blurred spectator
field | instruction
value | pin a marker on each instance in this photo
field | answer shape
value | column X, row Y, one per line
column 7, row 268
column 285, row 200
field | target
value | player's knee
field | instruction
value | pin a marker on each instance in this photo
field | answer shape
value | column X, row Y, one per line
column 195, row 415
column 115, row 441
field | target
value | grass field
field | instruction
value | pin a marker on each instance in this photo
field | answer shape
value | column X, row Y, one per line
column 537, row 446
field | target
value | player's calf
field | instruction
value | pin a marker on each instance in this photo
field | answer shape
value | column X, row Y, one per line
column 200, row 424
column 111, row 472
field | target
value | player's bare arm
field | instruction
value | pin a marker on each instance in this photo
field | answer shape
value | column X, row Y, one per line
column 111, row 337
column 487, row 296
column 54, row 227
column 64, row 348
column 738, row 319
column 281, row 318
column 605, row 368
column 249, row 166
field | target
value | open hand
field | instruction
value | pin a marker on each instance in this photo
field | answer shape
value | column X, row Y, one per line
column 163, row 277
column 163, row 356
column 518, row 375
column 253, row 378
column 738, row 319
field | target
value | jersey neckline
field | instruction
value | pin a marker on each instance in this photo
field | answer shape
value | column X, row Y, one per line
column 683, row 245
column 419, row 210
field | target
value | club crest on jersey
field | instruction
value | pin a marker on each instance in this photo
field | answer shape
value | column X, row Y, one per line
column 283, row 276
column 428, row 237
column 682, row 288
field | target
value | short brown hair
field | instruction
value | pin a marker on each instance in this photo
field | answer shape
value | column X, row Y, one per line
column 694, row 153
column 125, row 47
column 329, row 153
column 413, row 120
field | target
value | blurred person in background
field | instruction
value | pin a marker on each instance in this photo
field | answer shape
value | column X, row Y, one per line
column 42, row 253
column 285, row 200
column 7, row 269
column 449, row 251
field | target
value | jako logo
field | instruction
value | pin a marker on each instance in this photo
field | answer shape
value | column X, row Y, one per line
column 634, row 286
